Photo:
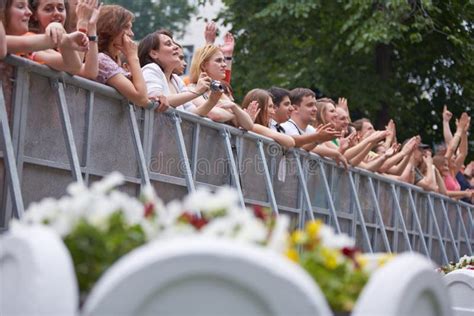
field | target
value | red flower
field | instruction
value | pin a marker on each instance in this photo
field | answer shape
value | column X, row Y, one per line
column 259, row 212
column 149, row 210
column 349, row 252
column 193, row 219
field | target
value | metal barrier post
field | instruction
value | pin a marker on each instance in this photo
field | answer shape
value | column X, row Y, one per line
column 438, row 232
column 137, row 144
column 450, row 231
column 361, row 214
column 332, row 208
column 268, row 180
column 13, row 181
column 400, row 217
column 302, row 178
column 67, row 130
column 463, row 230
column 233, row 167
column 195, row 149
column 379, row 216
column 417, row 222
column 88, row 136
column 183, row 154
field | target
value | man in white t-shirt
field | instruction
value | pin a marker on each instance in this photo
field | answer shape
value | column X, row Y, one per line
column 305, row 135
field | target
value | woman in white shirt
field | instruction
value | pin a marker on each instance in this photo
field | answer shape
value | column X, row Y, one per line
column 159, row 57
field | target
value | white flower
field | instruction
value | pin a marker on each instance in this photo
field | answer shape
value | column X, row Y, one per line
column 336, row 241
column 111, row 181
column 279, row 237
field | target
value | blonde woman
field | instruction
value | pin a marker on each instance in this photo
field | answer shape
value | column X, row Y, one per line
column 211, row 61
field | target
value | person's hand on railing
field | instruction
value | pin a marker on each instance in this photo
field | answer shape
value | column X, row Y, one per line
column 210, row 32
column 56, row 32
column 253, row 110
column 76, row 41
column 163, row 103
column 341, row 161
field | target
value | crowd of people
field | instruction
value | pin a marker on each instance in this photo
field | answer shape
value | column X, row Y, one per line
column 95, row 41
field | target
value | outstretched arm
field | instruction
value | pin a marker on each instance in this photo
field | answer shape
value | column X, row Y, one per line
column 3, row 42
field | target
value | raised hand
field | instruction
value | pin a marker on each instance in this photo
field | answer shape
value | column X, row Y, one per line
column 56, row 31
column 95, row 15
column 253, row 110
column 463, row 122
column 84, row 11
column 210, row 32
column 229, row 44
column 446, row 114
column 342, row 102
column 76, row 41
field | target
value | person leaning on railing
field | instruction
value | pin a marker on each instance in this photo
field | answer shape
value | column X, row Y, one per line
column 259, row 104
column 306, row 136
column 17, row 16
column 283, row 108
column 210, row 60
column 48, row 17
column 114, row 29
column 159, row 57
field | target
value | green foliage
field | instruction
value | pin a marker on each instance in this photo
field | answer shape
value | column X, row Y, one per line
column 341, row 285
column 94, row 250
column 395, row 59
column 152, row 15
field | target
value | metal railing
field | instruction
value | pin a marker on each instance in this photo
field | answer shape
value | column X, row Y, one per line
column 66, row 129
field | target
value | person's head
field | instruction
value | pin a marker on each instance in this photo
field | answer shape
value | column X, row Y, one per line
column 265, row 104
column 181, row 69
column 209, row 59
column 114, row 22
column 342, row 121
column 46, row 12
column 16, row 16
column 363, row 127
column 441, row 163
column 326, row 111
column 282, row 102
column 304, row 103
column 159, row 48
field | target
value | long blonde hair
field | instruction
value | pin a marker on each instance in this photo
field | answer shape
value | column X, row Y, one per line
column 201, row 56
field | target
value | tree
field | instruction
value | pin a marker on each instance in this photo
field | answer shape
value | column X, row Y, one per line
column 391, row 58
column 152, row 15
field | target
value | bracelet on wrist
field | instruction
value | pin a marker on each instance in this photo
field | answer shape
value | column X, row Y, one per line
column 93, row 38
column 195, row 93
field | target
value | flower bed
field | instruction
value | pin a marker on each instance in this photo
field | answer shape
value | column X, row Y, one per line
column 100, row 224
